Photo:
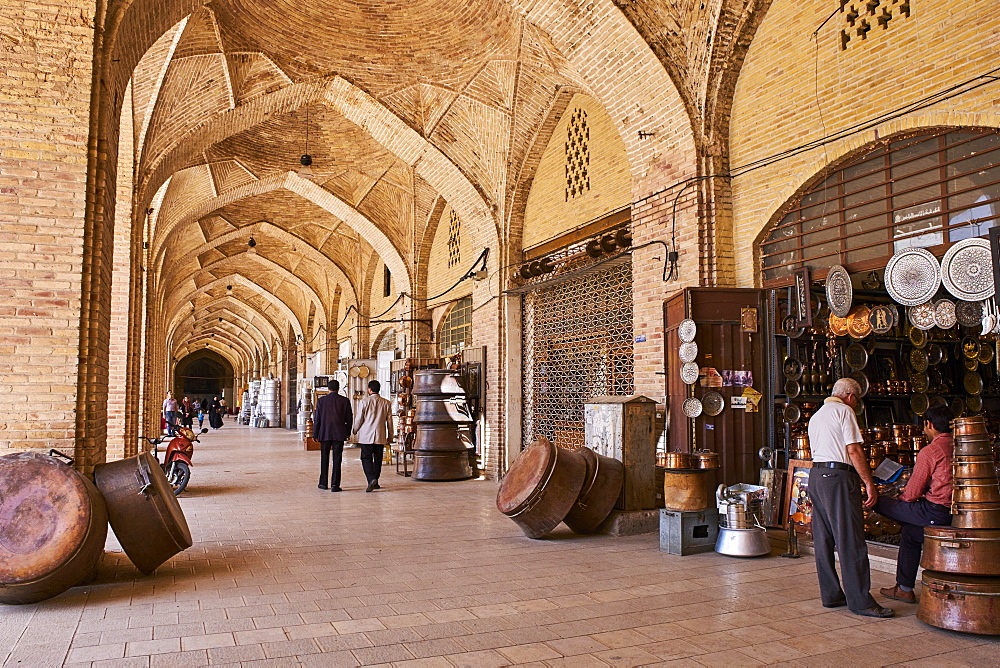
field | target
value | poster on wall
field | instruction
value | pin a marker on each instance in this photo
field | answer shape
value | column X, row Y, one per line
column 799, row 505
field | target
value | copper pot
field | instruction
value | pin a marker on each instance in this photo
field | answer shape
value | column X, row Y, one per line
column 965, row 551
column 881, row 433
column 918, row 442
column 677, row 460
column 800, row 442
column 900, row 431
column 981, row 491
column 973, row 425
column 973, row 446
column 706, row 459
column 974, row 468
column 975, row 515
column 960, row 603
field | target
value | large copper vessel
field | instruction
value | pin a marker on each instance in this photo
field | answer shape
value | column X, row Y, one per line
column 53, row 525
column 446, row 437
column 143, row 511
column 601, row 489
column 441, row 465
column 974, row 468
column 963, row 551
column 541, row 487
column 975, row 515
column 969, row 426
column 441, row 408
column 975, row 491
column 960, row 602
column 973, row 446
column 437, row 381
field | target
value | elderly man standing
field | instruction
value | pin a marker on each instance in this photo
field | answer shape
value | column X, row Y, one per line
column 925, row 501
column 839, row 469
column 373, row 425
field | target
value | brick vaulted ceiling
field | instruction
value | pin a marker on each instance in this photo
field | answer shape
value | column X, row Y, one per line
column 225, row 102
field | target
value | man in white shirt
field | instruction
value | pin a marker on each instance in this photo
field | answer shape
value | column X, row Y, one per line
column 839, row 468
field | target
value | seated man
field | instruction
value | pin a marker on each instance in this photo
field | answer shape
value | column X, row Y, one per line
column 925, row 501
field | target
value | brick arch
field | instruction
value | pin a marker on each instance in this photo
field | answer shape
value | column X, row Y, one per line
column 282, row 307
column 424, row 248
column 805, row 176
column 242, row 348
column 308, row 190
column 178, row 320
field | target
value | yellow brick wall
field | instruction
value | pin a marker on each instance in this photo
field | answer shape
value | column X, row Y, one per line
column 548, row 213
column 781, row 102
column 440, row 276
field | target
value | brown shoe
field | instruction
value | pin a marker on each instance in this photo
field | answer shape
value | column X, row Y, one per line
column 897, row 594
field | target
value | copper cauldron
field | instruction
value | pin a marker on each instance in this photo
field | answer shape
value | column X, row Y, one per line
column 601, row 489
column 442, row 436
column 677, row 460
column 960, row 602
column 439, row 408
column 441, row 465
column 918, row 442
column 706, row 459
column 973, row 468
column 437, row 381
column 981, row 491
column 881, row 433
column 975, row 515
column 965, row 551
column 973, row 446
column 541, row 487
column 969, row 426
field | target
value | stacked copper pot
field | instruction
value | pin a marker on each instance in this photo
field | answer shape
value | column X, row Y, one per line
column 962, row 562
column 441, row 420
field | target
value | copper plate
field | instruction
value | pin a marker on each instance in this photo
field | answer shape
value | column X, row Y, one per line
column 862, row 380
column 918, row 403
column 856, row 356
column 934, row 354
column 974, row 403
column 690, row 373
column 859, row 408
column 838, row 325
column 712, row 403
column 957, row 406
column 792, row 368
column 880, row 319
column 920, row 381
column 973, row 383
column 967, row 270
column 692, row 407
column 688, row 351
column 858, row 325
column 792, row 413
column 970, row 347
column 918, row 359
column 687, row 330
column 944, row 313
column 973, row 364
column 912, row 276
column 985, row 354
column 839, row 291
column 969, row 314
column 922, row 316
column 792, row 388
column 918, row 337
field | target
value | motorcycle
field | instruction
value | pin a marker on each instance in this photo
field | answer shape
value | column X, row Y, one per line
column 176, row 462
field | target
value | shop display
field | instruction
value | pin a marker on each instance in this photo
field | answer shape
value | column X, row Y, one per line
column 912, row 276
column 967, row 270
column 687, row 330
column 441, row 419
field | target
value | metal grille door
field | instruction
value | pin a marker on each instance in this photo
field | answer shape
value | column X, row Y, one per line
column 577, row 345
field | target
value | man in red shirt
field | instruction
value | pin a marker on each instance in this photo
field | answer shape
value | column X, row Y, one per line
column 925, row 501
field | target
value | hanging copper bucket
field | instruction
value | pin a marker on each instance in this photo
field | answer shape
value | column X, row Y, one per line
column 437, row 381
column 601, row 489
column 965, row 551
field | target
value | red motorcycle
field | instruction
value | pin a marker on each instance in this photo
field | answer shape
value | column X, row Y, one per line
column 176, row 462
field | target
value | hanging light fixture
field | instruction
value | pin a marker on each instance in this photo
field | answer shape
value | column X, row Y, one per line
column 305, row 160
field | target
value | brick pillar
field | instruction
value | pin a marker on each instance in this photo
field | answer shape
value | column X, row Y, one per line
column 45, row 74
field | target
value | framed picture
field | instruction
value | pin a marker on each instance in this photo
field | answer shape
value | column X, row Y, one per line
column 797, row 493
column 881, row 414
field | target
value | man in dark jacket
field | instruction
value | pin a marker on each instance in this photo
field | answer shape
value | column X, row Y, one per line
column 332, row 421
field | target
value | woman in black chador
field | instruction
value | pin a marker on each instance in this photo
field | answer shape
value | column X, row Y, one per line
column 215, row 414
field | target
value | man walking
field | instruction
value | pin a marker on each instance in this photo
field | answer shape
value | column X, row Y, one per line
column 170, row 410
column 925, row 501
column 838, row 470
column 331, row 427
column 374, row 429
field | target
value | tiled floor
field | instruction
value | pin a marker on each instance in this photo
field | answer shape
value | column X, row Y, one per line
column 430, row 574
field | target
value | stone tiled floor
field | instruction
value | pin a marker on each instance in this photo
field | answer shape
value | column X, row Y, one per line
column 430, row 574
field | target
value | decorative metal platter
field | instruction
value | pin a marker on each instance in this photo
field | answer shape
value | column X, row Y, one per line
column 969, row 314
column 971, row 365
column 974, row 404
column 858, row 324
column 838, row 325
column 970, row 347
column 958, row 406
column 862, row 380
column 934, row 353
column 912, row 276
column 922, row 316
column 792, row 413
column 690, row 373
column 692, row 407
column 839, row 291
column 881, row 319
column 688, row 351
column 856, row 356
column 920, row 382
column 712, row 403
column 687, row 330
column 918, row 337
column 944, row 313
column 918, row 359
column 789, row 328
column 792, row 368
column 859, row 408
column 985, row 354
column 895, row 314
column 918, row 403
column 792, row 388
column 967, row 270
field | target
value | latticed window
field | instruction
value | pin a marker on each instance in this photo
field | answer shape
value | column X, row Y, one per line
column 577, row 155
column 577, row 344
column 928, row 190
column 454, row 239
column 456, row 328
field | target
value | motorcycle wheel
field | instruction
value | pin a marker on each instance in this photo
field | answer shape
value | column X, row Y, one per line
column 179, row 477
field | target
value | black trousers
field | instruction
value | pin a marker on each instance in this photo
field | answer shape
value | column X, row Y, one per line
column 838, row 524
column 326, row 449
column 914, row 516
column 371, row 460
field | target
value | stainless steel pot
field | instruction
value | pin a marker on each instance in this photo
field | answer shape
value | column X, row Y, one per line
column 742, row 542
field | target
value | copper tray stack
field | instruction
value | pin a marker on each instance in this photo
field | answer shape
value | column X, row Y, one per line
column 441, row 421
column 962, row 562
